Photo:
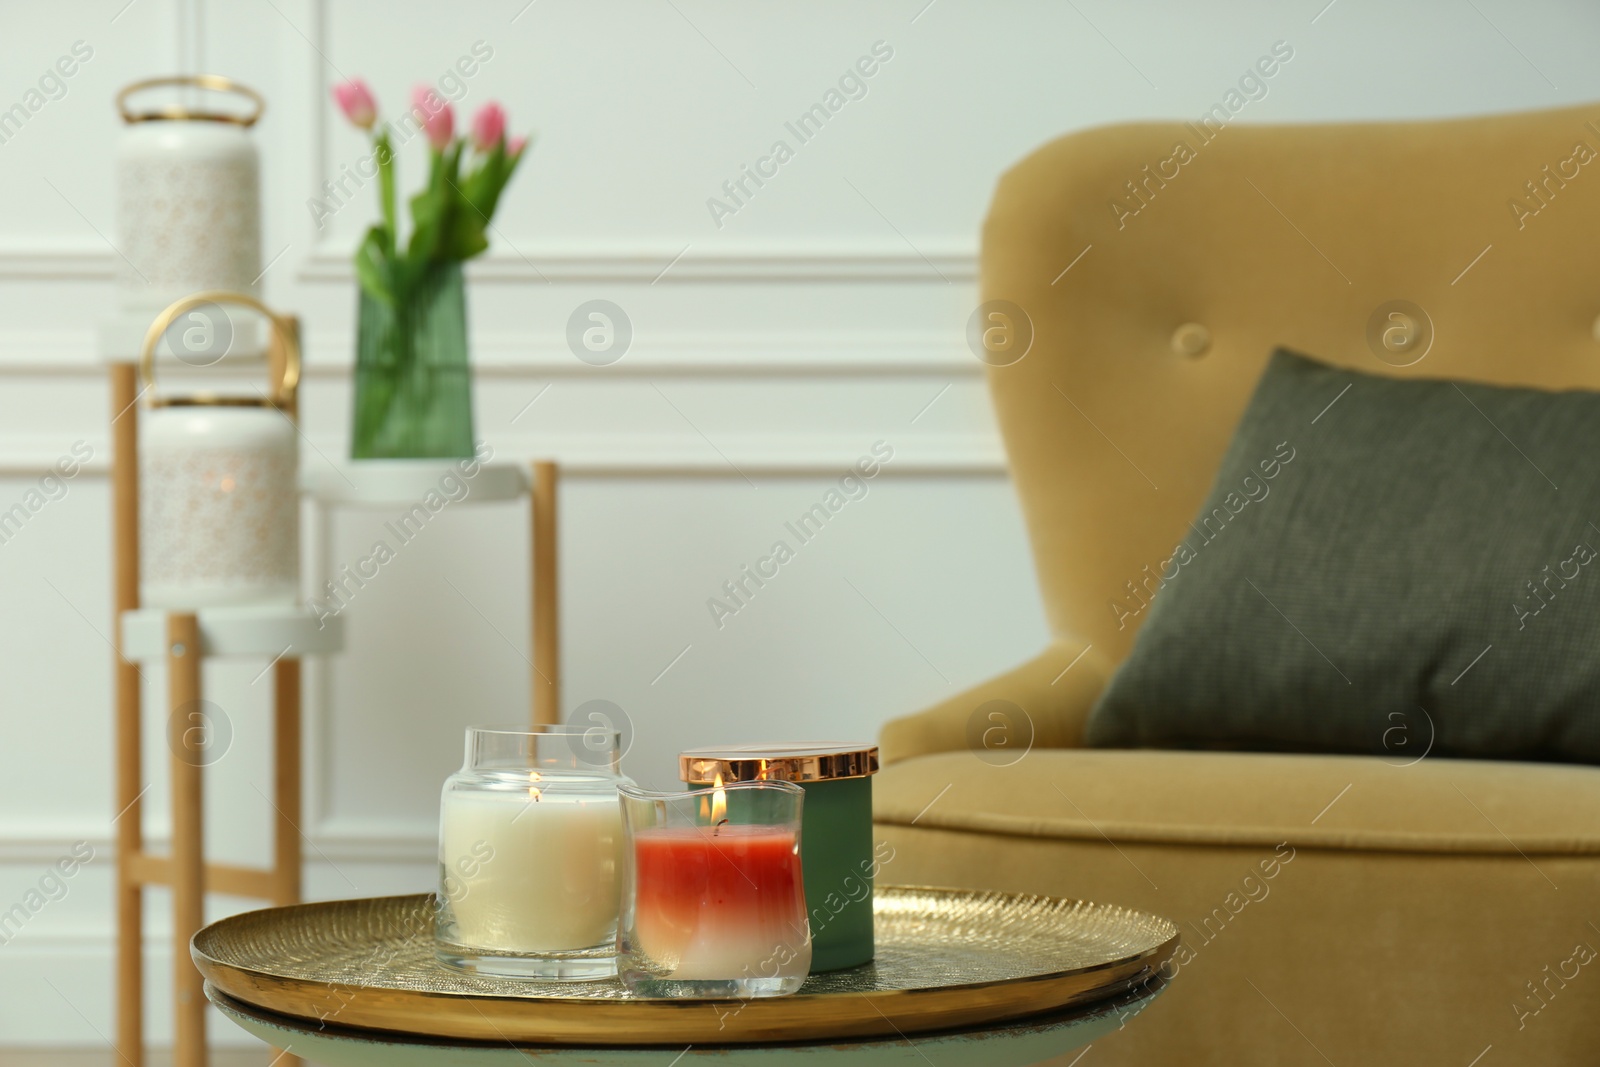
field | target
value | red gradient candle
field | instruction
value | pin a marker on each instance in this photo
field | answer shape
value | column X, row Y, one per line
column 714, row 902
column 720, row 901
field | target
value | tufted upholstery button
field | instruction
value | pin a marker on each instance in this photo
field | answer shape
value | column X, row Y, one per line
column 1192, row 339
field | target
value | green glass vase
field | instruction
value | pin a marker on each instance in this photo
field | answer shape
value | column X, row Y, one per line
column 413, row 381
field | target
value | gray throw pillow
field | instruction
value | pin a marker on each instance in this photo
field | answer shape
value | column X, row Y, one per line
column 1384, row 566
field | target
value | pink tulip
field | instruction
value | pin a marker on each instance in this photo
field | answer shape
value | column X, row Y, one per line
column 437, row 119
column 515, row 146
column 488, row 126
column 355, row 100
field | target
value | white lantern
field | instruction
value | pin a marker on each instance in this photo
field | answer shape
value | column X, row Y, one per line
column 188, row 197
column 218, row 487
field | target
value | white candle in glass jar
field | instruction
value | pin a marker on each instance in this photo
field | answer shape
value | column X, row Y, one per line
column 531, row 870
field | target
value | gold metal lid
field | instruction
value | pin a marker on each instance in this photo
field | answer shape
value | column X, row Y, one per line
column 213, row 82
column 812, row 761
column 210, row 400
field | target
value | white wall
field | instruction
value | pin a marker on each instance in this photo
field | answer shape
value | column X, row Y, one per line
column 826, row 314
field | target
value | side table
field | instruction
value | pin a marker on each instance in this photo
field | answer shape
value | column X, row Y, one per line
column 1016, row 1044
column 985, row 978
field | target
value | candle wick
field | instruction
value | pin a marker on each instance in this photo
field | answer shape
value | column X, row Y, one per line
column 720, row 824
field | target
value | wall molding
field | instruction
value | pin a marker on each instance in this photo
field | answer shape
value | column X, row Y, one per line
column 31, row 455
column 68, row 260
column 498, row 354
column 614, row 455
column 682, row 264
column 537, row 263
column 329, row 843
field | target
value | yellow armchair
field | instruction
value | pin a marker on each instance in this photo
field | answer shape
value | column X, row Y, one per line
column 1336, row 909
column 1054, row 692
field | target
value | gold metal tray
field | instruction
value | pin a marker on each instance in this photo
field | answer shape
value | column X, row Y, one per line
column 946, row 958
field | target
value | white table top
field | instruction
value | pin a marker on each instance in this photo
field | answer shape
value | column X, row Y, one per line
column 248, row 631
column 1016, row 1044
column 404, row 482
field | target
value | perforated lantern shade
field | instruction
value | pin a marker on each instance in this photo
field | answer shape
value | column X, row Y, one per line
column 218, row 485
column 188, row 190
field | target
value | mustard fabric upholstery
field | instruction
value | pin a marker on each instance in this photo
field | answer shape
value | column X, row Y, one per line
column 1432, row 910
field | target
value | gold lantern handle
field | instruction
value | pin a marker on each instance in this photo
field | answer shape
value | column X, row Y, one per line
column 283, row 331
column 215, row 83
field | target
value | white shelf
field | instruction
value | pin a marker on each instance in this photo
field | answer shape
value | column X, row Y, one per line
column 254, row 630
column 404, row 482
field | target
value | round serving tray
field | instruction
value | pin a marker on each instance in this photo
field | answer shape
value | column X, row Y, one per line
column 946, row 959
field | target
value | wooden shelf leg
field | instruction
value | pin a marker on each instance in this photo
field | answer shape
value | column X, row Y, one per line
column 286, row 846
column 186, row 736
column 128, row 831
column 286, row 842
column 286, row 781
column 546, row 598
column 130, row 894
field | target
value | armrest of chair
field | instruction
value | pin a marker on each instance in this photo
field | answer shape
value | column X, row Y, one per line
column 1056, row 689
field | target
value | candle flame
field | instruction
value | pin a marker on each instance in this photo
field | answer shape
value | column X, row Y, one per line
column 719, row 801
column 533, row 790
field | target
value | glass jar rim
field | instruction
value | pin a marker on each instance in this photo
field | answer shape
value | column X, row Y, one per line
column 518, row 779
column 563, row 747
column 538, row 730
column 553, row 730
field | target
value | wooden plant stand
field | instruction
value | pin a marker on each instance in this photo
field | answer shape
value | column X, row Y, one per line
column 281, row 635
column 184, row 639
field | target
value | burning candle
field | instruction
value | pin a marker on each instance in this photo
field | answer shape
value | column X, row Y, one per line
column 714, row 898
column 530, row 838
column 838, row 855
column 531, row 873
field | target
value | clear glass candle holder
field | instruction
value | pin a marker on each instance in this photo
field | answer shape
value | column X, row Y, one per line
column 713, row 898
column 530, row 854
column 836, row 847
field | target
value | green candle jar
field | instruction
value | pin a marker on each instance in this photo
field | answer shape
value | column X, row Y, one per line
column 836, row 853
